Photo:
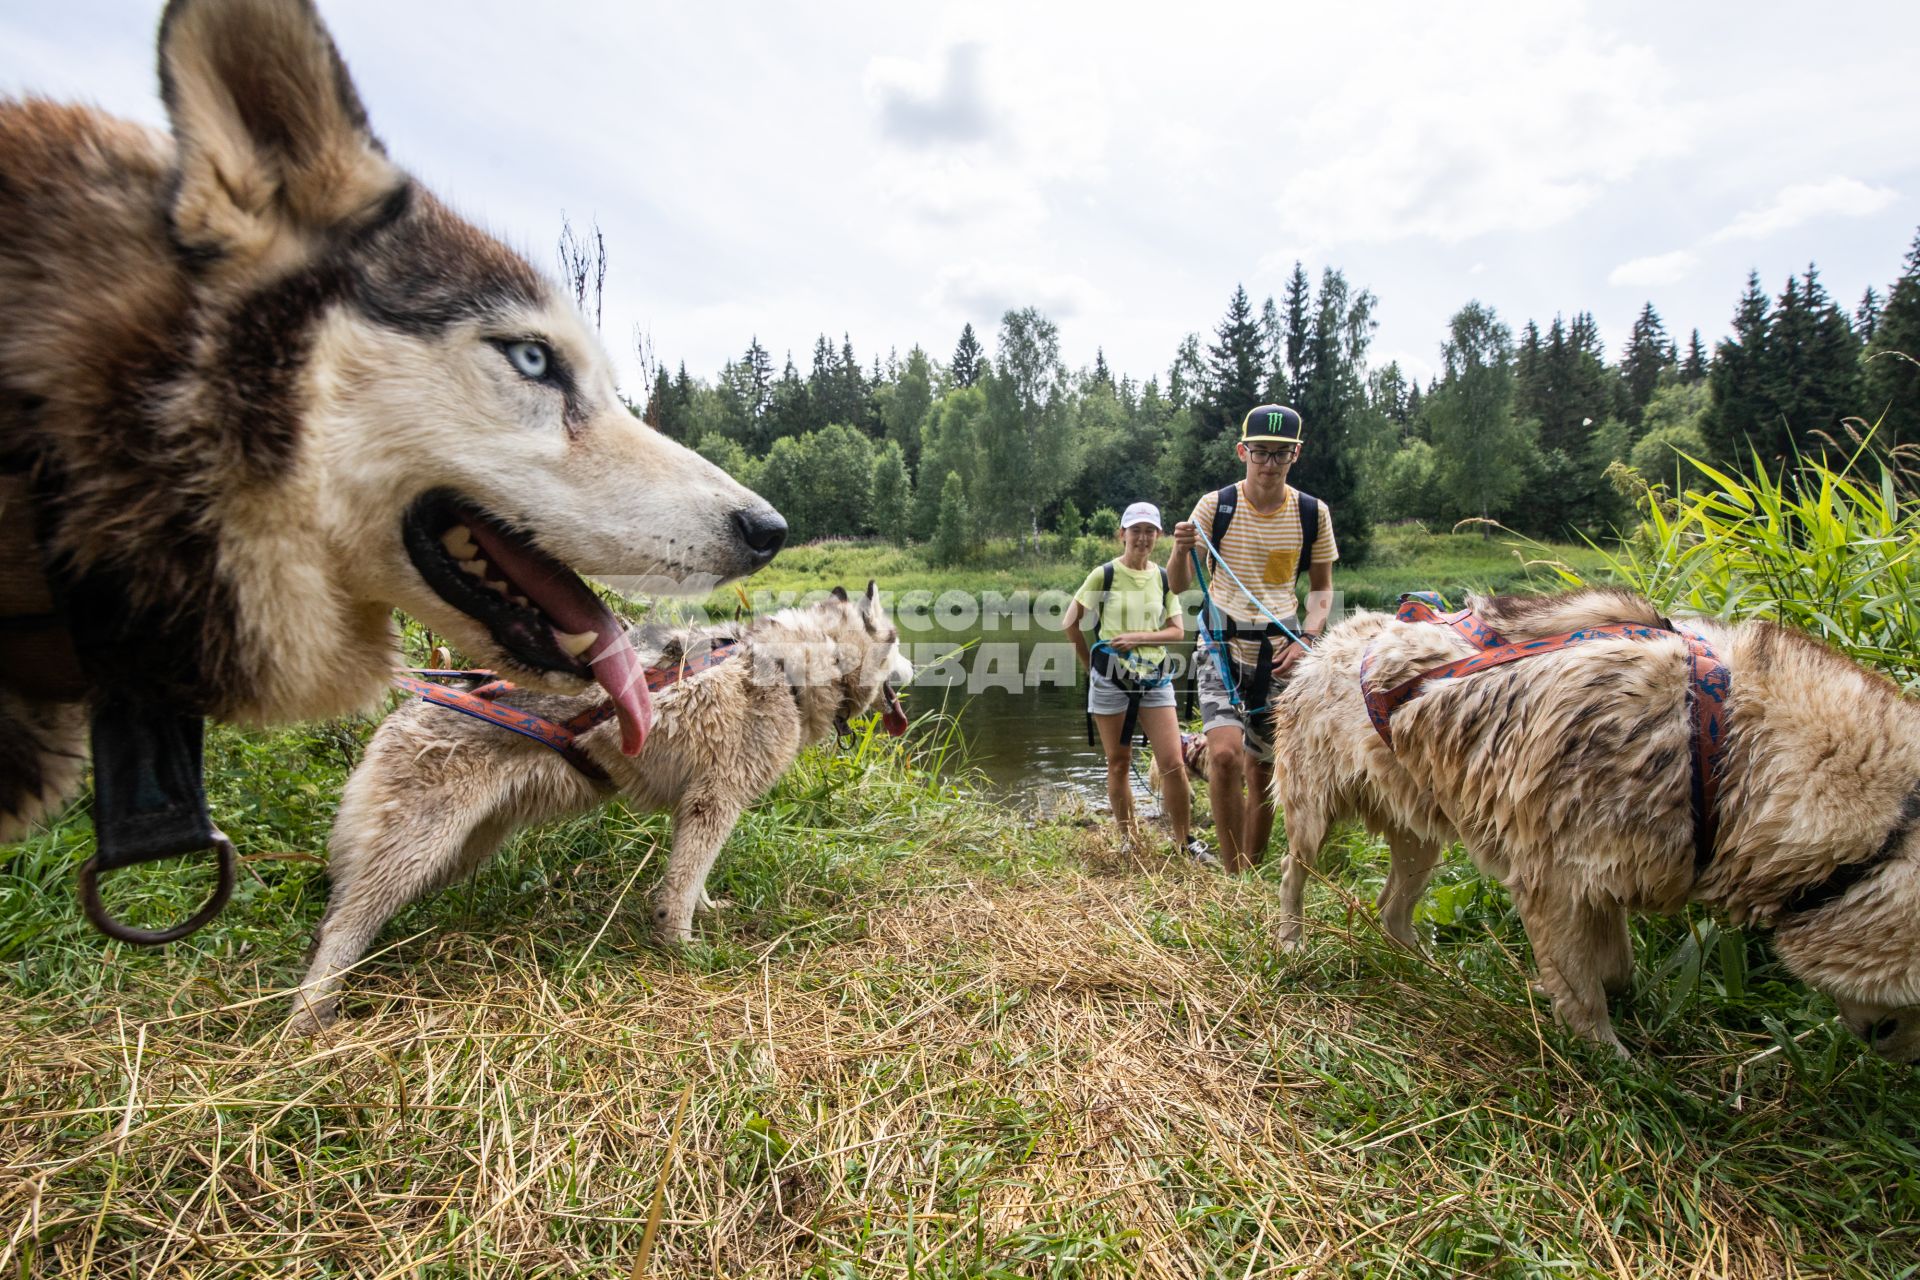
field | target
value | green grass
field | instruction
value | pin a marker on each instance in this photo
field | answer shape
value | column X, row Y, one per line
column 1405, row 558
column 930, row 1037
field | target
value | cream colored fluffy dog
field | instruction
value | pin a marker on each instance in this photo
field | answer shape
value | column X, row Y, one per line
column 437, row 792
column 1567, row 776
column 1331, row 767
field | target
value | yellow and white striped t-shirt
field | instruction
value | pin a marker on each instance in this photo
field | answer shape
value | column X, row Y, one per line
column 1263, row 550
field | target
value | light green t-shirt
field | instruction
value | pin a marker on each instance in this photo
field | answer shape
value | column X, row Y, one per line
column 1134, row 604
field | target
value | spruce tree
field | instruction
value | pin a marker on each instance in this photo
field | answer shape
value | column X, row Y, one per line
column 1273, row 336
column 1101, row 376
column 822, row 382
column 851, row 404
column 1532, row 388
column 1236, row 367
column 1812, row 371
column 1893, row 376
column 1737, row 381
column 1298, row 302
column 1331, row 398
column 1866, row 316
column 792, row 412
column 660, row 407
column 756, row 368
column 965, row 369
column 1648, row 355
column 1694, row 371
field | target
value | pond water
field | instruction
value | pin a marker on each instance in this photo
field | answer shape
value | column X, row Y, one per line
column 1019, row 699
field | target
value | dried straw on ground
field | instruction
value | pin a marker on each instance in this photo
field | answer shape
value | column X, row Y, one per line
column 1048, row 1071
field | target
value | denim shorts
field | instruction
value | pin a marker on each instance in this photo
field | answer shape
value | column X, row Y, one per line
column 1105, row 698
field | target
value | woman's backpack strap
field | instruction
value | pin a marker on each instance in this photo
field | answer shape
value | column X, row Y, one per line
column 1100, row 602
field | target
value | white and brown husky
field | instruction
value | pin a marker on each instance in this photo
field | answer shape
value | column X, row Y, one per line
column 256, row 382
column 438, row 792
column 1568, row 777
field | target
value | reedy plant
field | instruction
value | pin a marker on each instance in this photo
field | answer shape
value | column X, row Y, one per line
column 1829, row 549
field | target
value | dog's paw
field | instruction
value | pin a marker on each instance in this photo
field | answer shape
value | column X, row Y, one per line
column 308, row 1022
column 672, row 937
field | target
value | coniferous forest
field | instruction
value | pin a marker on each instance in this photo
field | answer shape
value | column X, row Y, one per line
column 1526, row 426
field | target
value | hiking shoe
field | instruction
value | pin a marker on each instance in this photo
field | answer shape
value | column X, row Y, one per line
column 1198, row 851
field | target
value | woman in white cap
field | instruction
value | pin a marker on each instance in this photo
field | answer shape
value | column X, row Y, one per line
column 1120, row 621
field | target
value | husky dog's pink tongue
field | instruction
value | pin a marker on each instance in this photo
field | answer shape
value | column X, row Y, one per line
column 615, row 665
column 573, row 612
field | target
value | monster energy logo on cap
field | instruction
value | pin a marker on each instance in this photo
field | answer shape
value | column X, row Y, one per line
column 1271, row 422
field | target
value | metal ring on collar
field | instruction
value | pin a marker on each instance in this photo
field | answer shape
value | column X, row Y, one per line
column 105, row 923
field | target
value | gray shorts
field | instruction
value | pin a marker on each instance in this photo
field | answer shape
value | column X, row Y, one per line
column 1218, row 712
column 1105, row 698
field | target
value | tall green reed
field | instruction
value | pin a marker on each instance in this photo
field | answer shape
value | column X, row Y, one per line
column 1826, row 547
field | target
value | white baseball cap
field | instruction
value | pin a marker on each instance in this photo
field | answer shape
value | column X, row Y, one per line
column 1141, row 513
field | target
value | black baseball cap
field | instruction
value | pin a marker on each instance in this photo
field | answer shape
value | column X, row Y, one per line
column 1271, row 422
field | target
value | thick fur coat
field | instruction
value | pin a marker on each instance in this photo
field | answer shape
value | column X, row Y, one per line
column 253, row 377
column 437, row 792
column 1567, row 777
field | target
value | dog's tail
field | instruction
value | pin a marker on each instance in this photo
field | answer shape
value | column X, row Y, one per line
column 1530, row 617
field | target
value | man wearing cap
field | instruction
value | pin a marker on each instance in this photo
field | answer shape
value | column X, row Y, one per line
column 1264, row 533
column 1131, row 613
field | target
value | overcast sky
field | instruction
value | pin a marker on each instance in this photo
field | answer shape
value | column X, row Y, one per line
column 893, row 171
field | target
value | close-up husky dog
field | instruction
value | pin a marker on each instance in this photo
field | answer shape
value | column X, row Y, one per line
column 258, row 388
column 1567, row 777
column 437, row 792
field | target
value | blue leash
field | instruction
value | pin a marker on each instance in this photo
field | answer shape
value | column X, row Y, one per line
column 1215, row 646
column 1227, row 569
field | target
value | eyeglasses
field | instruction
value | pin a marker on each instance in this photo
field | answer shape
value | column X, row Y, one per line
column 1274, row 456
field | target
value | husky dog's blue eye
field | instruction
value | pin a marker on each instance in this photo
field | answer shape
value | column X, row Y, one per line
column 529, row 359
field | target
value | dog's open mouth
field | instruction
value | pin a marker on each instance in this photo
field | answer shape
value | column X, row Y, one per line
column 895, row 715
column 534, row 607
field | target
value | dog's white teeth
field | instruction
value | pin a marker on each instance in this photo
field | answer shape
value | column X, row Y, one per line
column 522, row 601
column 459, row 543
column 574, row 644
column 478, row 568
column 501, row 587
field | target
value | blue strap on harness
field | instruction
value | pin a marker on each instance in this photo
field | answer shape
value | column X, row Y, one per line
column 1210, row 633
column 1210, row 639
column 1227, row 569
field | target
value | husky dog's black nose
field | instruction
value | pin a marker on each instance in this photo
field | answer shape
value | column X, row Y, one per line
column 762, row 529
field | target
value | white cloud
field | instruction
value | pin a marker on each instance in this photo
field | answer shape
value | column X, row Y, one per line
column 919, row 108
column 1803, row 202
column 1658, row 269
column 1515, row 122
column 987, row 290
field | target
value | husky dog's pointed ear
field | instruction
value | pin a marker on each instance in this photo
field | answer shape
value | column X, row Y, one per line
column 274, row 148
column 840, row 594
